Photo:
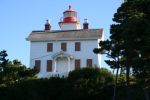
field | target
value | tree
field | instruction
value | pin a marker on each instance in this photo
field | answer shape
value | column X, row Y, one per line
column 13, row 71
column 114, row 53
column 103, row 75
column 132, row 27
column 128, row 46
column 91, row 83
column 3, row 60
column 19, row 70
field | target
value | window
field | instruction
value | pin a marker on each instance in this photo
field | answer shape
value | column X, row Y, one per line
column 77, row 46
column 37, row 65
column 49, row 65
column 63, row 46
column 89, row 62
column 49, row 47
column 77, row 64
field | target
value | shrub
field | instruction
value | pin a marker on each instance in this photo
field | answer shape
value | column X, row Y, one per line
column 90, row 83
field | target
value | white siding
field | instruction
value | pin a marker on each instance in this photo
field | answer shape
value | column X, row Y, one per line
column 39, row 52
column 69, row 26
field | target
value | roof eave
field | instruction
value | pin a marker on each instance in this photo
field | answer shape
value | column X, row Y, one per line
column 62, row 39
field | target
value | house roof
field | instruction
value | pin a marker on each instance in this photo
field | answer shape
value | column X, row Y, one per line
column 83, row 34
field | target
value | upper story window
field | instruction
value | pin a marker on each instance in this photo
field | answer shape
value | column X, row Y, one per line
column 77, row 46
column 49, row 47
column 64, row 46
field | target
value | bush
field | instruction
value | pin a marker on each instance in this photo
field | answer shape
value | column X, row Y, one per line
column 102, row 75
column 39, row 89
column 83, row 84
column 90, row 83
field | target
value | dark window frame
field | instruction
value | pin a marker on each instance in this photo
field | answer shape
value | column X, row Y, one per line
column 37, row 66
column 77, row 64
column 64, row 46
column 49, row 47
column 49, row 65
column 89, row 62
column 77, row 46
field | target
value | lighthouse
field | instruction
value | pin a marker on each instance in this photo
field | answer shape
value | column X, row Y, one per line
column 70, row 20
column 57, row 52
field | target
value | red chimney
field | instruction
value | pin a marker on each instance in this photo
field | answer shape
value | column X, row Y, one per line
column 47, row 26
column 85, row 24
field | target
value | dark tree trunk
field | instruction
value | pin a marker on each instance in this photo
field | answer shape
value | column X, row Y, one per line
column 115, row 86
column 128, row 80
column 116, row 79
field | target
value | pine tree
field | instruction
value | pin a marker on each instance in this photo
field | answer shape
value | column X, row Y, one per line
column 129, row 43
column 13, row 71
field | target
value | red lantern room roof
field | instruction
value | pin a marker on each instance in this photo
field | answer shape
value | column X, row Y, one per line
column 70, row 20
column 70, row 16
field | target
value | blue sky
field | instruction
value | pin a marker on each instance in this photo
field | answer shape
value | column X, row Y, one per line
column 19, row 17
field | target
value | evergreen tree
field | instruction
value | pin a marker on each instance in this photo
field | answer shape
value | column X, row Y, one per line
column 3, row 60
column 130, row 38
column 13, row 71
column 129, row 43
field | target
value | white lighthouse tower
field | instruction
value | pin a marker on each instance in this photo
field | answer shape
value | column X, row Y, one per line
column 70, row 20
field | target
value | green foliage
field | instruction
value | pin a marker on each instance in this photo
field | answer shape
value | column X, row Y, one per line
column 90, row 83
column 88, row 86
column 103, row 76
column 13, row 71
column 78, row 88
column 121, row 79
column 134, row 28
column 128, row 46
column 39, row 89
column 3, row 60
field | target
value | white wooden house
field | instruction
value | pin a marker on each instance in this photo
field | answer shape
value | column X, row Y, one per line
column 56, row 52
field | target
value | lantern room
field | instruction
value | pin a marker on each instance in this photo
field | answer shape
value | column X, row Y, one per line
column 70, row 16
column 70, row 20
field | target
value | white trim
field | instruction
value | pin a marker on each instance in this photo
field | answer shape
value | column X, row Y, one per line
column 62, row 54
